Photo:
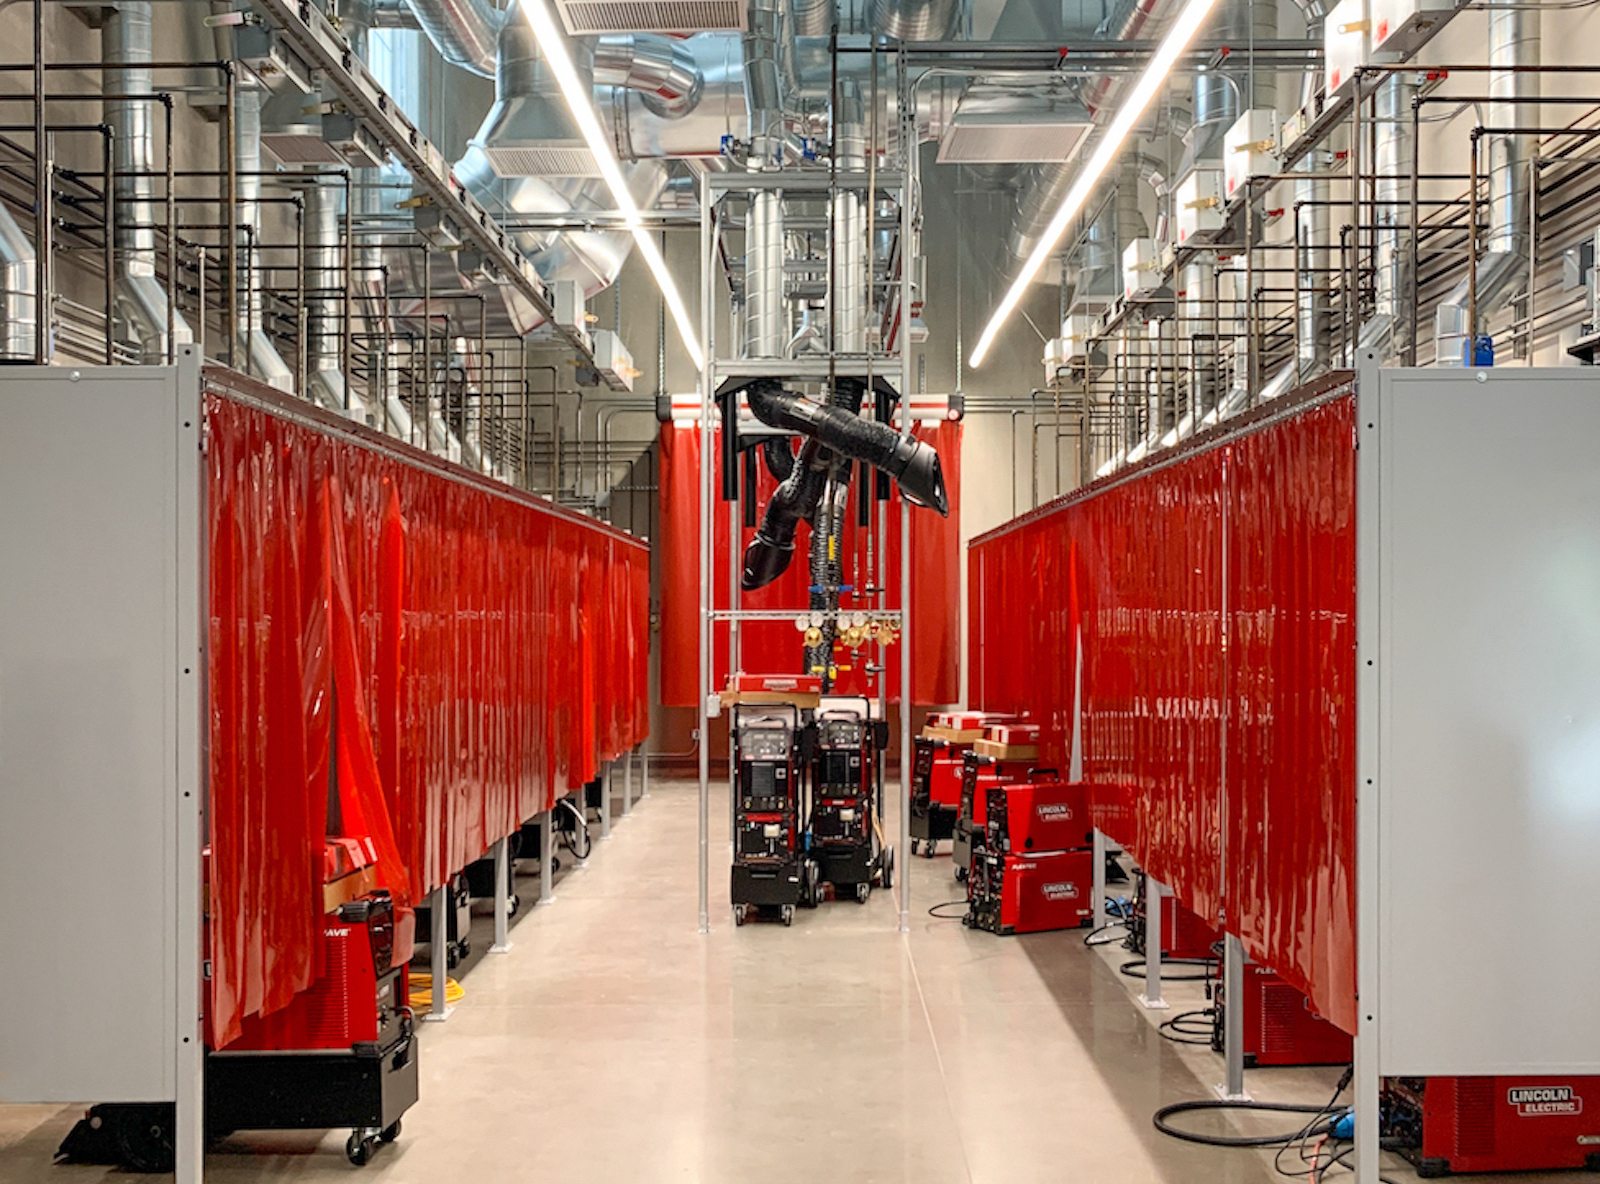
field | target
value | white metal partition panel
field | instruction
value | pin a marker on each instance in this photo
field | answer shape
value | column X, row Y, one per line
column 101, row 683
column 1479, row 642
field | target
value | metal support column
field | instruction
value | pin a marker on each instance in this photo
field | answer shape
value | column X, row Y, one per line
column 502, row 897
column 441, row 905
column 702, row 742
column 1232, row 1089
column 605, row 801
column 547, row 823
column 907, row 137
column 580, row 836
column 627, row 782
column 1151, row 996
column 1099, row 879
column 644, row 772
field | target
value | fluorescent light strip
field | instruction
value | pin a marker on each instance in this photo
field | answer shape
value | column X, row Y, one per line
column 1155, row 74
column 580, row 101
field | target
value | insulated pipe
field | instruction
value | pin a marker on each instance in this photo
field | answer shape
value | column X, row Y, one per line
column 19, row 304
column 1392, row 194
column 851, row 272
column 661, row 70
column 324, row 278
column 1313, row 326
column 812, row 18
column 763, row 87
column 464, row 32
column 915, row 20
column 766, row 314
column 264, row 362
column 1513, row 46
column 140, row 299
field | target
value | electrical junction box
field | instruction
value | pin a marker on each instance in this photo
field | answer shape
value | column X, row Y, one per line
column 1075, row 334
column 567, row 297
column 1141, row 267
column 1401, row 27
column 1199, row 204
column 612, row 361
column 1346, row 44
column 1250, row 148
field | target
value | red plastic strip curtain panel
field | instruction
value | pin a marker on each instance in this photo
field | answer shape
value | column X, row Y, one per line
column 1213, row 598
column 776, row 646
column 448, row 658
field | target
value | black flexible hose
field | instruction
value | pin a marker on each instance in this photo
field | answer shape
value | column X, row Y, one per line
column 1136, row 969
column 779, row 456
column 933, row 910
column 1162, row 1118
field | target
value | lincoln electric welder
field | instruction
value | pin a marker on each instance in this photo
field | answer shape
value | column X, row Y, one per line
column 1279, row 1026
column 1493, row 1124
column 844, row 834
column 1034, row 868
column 935, row 792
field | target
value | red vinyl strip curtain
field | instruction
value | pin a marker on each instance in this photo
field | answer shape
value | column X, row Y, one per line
column 777, row 647
column 457, row 656
column 1196, row 618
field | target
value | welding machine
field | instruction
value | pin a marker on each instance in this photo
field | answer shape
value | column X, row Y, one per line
column 844, row 793
column 1040, row 814
column 1493, row 1124
column 978, row 773
column 1184, row 935
column 935, row 792
column 1279, row 1026
column 770, row 869
column 343, row 1052
column 1031, row 892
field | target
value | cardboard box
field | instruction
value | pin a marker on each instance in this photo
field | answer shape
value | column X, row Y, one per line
column 1014, row 734
column 953, row 735
column 970, row 719
column 1006, row 752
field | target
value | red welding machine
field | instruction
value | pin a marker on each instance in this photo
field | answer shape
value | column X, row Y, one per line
column 1038, row 816
column 1030, row 893
column 1493, row 1124
column 1279, row 1026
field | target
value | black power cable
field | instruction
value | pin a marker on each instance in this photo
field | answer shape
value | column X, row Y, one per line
column 1129, row 969
column 1190, row 1027
column 933, row 910
column 1162, row 1119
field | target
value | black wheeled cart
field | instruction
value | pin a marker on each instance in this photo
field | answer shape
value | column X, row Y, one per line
column 771, row 873
column 931, row 821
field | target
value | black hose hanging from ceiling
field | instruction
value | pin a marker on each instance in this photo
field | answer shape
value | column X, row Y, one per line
column 780, row 460
column 795, row 501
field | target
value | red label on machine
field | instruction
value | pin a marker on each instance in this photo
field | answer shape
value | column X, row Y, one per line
column 1064, row 890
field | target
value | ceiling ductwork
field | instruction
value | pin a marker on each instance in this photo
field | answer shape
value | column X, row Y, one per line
column 590, row 17
column 915, row 20
column 1003, row 126
column 465, row 32
column 661, row 70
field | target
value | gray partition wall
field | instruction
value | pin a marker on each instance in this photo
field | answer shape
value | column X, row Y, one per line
column 1478, row 781
column 101, row 684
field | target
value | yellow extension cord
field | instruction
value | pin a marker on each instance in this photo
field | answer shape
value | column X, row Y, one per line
column 422, row 991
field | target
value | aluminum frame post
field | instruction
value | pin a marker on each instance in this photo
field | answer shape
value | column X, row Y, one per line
column 605, row 802
column 1150, row 998
column 439, row 1009
column 644, row 772
column 546, row 857
column 702, row 715
column 627, row 783
column 581, row 801
column 907, row 695
column 1099, row 857
column 502, row 896
column 1232, row 1089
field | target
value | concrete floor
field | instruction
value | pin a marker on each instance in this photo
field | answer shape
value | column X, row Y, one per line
column 614, row 1043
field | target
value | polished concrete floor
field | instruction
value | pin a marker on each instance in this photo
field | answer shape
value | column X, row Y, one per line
column 615, row 1043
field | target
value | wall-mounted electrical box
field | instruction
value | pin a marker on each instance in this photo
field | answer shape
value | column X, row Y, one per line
column 612, row 361
column 1250, row 148
column 1141, row 267
column 1199, row 203
column 1346, row 43
column 1075, row 334
column 567, row 297
column 1401, row 27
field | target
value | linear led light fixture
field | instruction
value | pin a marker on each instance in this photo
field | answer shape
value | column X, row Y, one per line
column 581, row 103
column 1155, row 74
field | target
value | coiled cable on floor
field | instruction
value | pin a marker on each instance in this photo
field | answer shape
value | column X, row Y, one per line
column 933, row 910
column 1162, row 1119
column 1190, row 1027
column 1136, row 969
column 422, row 991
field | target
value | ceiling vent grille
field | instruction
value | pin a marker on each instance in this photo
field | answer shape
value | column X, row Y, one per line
column 994, row 141
column 300, row 148
column 585, row 17
column 541, row 160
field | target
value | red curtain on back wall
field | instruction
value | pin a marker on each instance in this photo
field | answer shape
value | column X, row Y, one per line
column 777, row 647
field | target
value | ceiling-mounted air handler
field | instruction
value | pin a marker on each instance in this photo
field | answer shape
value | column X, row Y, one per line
column 586, row 17
column 1200, row 205
column 1250, row 148
column 1402, row 27
column 1013, row 130
column 1346, row 44
column 1141, row 267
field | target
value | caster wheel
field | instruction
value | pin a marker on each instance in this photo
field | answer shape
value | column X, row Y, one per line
column 739, row 914
column 513, row 905
column 145, row 1138
column 812, row 896
column 358, row 1148
column 788, row 915
column 961, row 875
column 862, row 892
column 886, row 872
column 928, row 851
column 391, row 1132
column 916, row 845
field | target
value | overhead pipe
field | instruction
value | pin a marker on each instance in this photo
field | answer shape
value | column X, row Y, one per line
column 663, row 71
column 851, row 272
column 324, row 277
column 465, row 32
column 262, row 358
column 19, row 306
column 915, row 20
column 1392, row 120
column 1514, row 50
column 1313, row 321
column 140, row 300
column 812, row 18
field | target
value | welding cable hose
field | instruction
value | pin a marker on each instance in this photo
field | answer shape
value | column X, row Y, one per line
column 914, row 464
column 795, row 501
column 779, row 457
column 1136, row 969
column 1163, row 1122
